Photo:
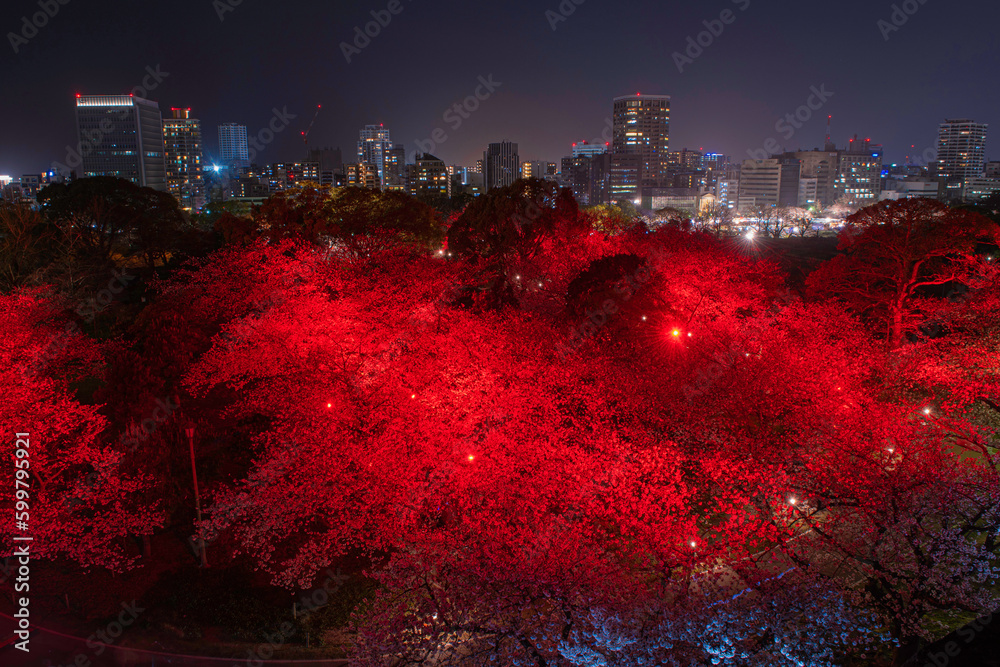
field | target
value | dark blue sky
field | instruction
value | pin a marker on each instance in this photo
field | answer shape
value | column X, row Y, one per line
column 556, row 85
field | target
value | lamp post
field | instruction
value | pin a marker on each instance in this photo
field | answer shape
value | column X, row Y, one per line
column 197, row 499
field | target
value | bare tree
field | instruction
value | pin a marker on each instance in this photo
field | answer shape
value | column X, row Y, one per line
column 715, row 218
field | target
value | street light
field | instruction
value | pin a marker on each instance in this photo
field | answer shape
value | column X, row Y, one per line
column 197, row 499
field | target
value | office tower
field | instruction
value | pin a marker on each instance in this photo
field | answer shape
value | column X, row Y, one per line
column 589, row 149
column 714, row 165
column 808, row 192
column 980, row 188
column 685, row 160
column 374, row 148
column 182, row 151
column 823, row 167
column 395, row 169
column 641, row 127
column 430, row 177
column 589, row 176
column 234, row 150
column 121, row 136
column 625, row 174
column 501, row 165
column 771, row 182
column 859, row 176
column 961, row 149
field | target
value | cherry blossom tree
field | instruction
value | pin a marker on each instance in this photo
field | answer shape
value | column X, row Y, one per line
column 78, row 503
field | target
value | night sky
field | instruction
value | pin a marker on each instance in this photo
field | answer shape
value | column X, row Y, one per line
column 557, row 86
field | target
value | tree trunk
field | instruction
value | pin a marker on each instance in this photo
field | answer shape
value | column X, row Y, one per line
column 896, row 326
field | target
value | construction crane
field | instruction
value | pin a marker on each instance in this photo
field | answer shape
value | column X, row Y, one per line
column 305, row 135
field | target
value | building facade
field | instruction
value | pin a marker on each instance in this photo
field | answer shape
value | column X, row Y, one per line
column 182, row 149
column 859, row 178
column 375, row 148
column 771, row 182
column 121, row 136
column 234, row 149
column 961, row 149
column 641, row 127
column 501, row 165
column 430, row 177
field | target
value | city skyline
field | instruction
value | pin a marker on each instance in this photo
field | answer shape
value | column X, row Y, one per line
column 716, row 106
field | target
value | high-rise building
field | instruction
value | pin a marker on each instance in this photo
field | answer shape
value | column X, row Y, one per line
column 182, row 151
column 625, row 176
column 714, row 165
column 430, row 177
column 589, row 149
column 395, row 169
column 121, row 136
column 859, row 176
column 234, row 149
column 771, row 182
column 501, row 165
column 641, row 126
column 685, row 160
column 824, row 167
column 961, row 149
column 374, row 148
column 589, row 176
